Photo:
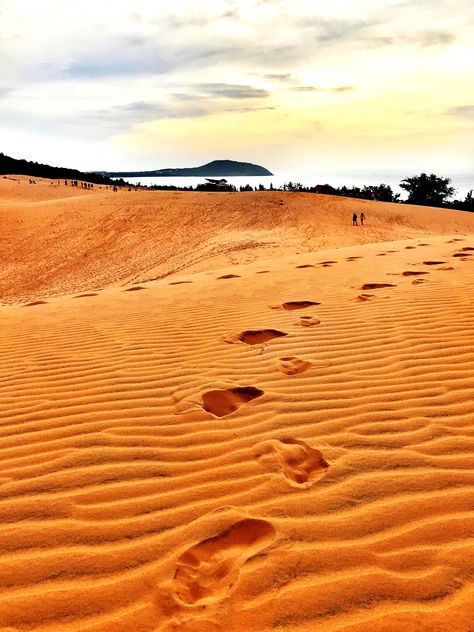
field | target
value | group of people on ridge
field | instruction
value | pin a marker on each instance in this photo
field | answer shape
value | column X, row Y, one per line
column 354, row 219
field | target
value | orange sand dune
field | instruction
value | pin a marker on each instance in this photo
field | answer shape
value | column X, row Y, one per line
column 284, row 443
column 58, row 239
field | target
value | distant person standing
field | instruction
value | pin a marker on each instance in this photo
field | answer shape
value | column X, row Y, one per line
column 362, row 217
column 354, row 219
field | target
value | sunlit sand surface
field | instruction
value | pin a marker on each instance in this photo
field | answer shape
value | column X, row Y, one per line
column 275, row 433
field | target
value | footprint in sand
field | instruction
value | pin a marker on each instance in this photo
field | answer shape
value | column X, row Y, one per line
column 418, row 281
column 229, row 276
column 293, row 366
column 224, row 402
column 462, row 254
column 207, row 571
column 179, row 282
column 255, row 336
column 433, row 263
column 262, row 272
column 306, row 265
column 301, row 465
column 353, row 258
column 364, row 297
column 446, row 268
column 467, row 249
column 134, row 288
column 376, row 286
column 291, row 305
column 84, row 295
column 308, row 321
column 410, row 247
column 35, row 303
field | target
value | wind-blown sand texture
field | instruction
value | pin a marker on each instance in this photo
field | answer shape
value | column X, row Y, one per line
column 196, row 456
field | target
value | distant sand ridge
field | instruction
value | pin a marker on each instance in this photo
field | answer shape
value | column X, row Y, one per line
column 63, row 239
column 275, row 435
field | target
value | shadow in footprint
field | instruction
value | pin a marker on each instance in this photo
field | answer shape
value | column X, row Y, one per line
column 255, row 336
column 134, row 288
column 467, row 249
column 376, row 286
column 224, row 402
column 410, row 247
column 308, row 321
column 353, row 258
column 207, row 571
column 84, row 295
column 301, row 465
column 179, row 282
column 462, row 254
column 433, row 263
column 292, row 305
column 306, row 265
column 413, row 273
column 364, row 297
column 229, row 276
column 35, row 303
column 262, row 272
column 293, row 366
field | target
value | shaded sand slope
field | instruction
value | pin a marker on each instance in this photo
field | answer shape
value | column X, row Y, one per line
column 284, row 445
column 53, row 244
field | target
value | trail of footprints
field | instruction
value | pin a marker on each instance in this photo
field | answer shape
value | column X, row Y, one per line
column 206, row 572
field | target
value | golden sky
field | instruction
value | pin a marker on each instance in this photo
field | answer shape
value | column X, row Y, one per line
column 289, row 84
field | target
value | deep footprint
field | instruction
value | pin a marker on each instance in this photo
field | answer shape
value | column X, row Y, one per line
column 179, row 282
column 207, row 571
column 364, row 297
column 84, row 295
column 224, row 402
column 433, row 263
column 296, row 460
column 376, row 286
column 293, row 366
column 134, row 288
column 229, row 276
column 35, row 303
column 306, row 265
column 255, row 336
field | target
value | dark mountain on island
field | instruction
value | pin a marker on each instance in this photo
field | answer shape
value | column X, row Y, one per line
column 39, row 170
column 219, row 168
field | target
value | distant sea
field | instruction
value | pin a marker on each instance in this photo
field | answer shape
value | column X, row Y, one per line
column 463, row 181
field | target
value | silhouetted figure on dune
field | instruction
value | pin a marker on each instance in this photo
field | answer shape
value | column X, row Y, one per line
column 354, row 219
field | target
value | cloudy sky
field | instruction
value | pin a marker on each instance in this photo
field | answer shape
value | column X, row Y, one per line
column 289, row 84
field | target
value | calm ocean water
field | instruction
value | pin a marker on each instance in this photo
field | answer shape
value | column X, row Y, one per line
column 462, row 181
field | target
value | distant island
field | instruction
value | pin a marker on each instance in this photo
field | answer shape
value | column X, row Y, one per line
column 215, row 168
